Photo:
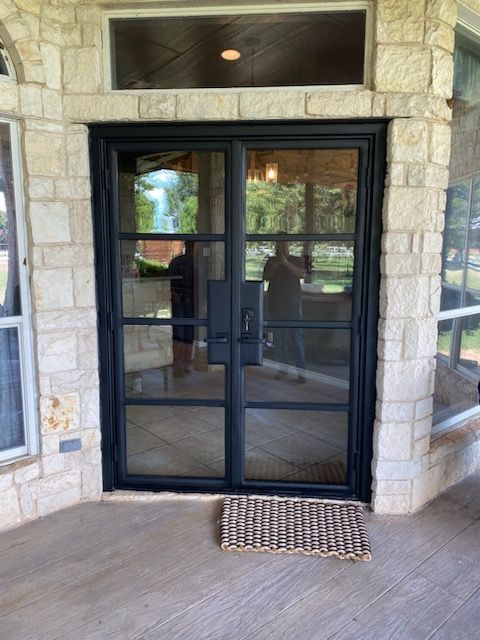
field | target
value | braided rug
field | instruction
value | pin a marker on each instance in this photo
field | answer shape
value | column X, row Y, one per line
column 294, row 525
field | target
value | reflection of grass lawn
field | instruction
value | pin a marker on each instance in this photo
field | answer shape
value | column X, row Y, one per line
column 454, row 276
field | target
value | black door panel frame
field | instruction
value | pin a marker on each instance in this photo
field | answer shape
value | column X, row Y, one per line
column 369, row 136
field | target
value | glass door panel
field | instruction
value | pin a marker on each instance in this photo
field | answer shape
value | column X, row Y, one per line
column 301, row 211
column 171, row 221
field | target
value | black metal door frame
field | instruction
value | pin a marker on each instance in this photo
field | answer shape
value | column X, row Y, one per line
column 369, row 137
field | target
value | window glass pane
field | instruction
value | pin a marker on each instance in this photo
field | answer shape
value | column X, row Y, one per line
column 238, row 50
column 470, row 343
column 301, row 191
column 170, row 362
column 11, row 405
column 472, row 293
column 9, row 277
column 454, row 244
column 320, row 288
column 302, row 365
column 296, row 446
column 444, row 343
column 175, row 441
column 172, row 192
column 3, row 66
column 164, row 279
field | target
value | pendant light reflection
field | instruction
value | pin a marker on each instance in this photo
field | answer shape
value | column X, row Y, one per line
column 271, row 172
column 230, row 54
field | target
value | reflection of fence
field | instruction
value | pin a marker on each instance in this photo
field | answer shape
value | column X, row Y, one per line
column 3, row 248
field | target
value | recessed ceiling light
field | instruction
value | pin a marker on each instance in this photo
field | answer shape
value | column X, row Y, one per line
column 230, row 54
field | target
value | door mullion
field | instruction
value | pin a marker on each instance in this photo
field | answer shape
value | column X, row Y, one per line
column 236, row 240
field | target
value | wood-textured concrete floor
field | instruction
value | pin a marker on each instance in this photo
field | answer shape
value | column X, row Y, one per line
column 154, row 570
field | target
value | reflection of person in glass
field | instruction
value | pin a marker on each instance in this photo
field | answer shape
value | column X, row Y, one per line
column 284, row 298
column 180, row 272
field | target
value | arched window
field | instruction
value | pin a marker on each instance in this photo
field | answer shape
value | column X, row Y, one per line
column 6, row 66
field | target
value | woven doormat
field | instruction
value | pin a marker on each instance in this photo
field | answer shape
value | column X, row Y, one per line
column 294, row 525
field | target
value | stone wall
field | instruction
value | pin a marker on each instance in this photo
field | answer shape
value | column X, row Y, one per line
column 58, row 48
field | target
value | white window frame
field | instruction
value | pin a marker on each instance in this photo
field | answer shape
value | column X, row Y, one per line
column 8, row 63
column 22, row 322
column 468, row 21
column 291, row 7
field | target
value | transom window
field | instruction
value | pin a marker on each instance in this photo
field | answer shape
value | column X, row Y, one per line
column 247, row 50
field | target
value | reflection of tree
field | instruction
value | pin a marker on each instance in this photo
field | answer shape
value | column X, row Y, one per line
column 273, row 207
column 182, row 202
column 455, row 226
column 144, row 207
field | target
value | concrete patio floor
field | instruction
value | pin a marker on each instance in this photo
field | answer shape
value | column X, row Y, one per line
column 154, row 570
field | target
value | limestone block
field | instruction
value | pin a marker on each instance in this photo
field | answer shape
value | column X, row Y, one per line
column 40, row 188
column 56, row 352
column 396, row 174
column 405, row 297
column 400, row 264
column 64, row 15
column 396, row 470
column 72, row 188
column 31, row 100
column 409, row 209
column 399, row 21
column 431, row 264
column 68, row 256
column 395, row 243
column 53, row 288
column 272, row 104
column 45, row 153
column 402, row 68
column 421, row 447
column 27, row 500
column 338, row 103
column 423, row 409
column 81, row 221
column 59, row 413
column 440, row 34
column 44, row 125
column 405, row 381
column 33, row 72
column 417, row 106
column 440, row 139
column 52, row 104
column 50, row 444
column 408, row 140
column 71, row 319
column 392, row 487
column 81, row 70
column 391, row 504
column 100, row 108
column 84, row 287
column 72, row 381
column 53, row 65
column 435, row 295
column 442, row 73
column 427, row 486
column 22, row 26
column 28, row 50
column 389, row 412
column 389, row 349
column 207, row 106
column 61, row 500
column 157, row 107
column 87, row 351
column 7, row 8
column 50, row 222
column 391, row 329
column 10, row 514
column 444, row 10
column 92, row 482
column 90, row 407
column 428, row 175
column 393, row 441
column 92, row 36
column 53, row 464
column 28, row 473
column 77, row 154
column 61, row 36
column 420, row 338
column 8, row 95
column 6, row 481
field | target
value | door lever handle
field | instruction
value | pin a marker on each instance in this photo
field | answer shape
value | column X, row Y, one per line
column 218, row 340
column 251, row 340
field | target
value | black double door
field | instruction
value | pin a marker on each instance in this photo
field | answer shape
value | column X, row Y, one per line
column 237, row 270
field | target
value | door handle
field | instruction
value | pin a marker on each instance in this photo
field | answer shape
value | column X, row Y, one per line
column 251, row 340
column 218, row 340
